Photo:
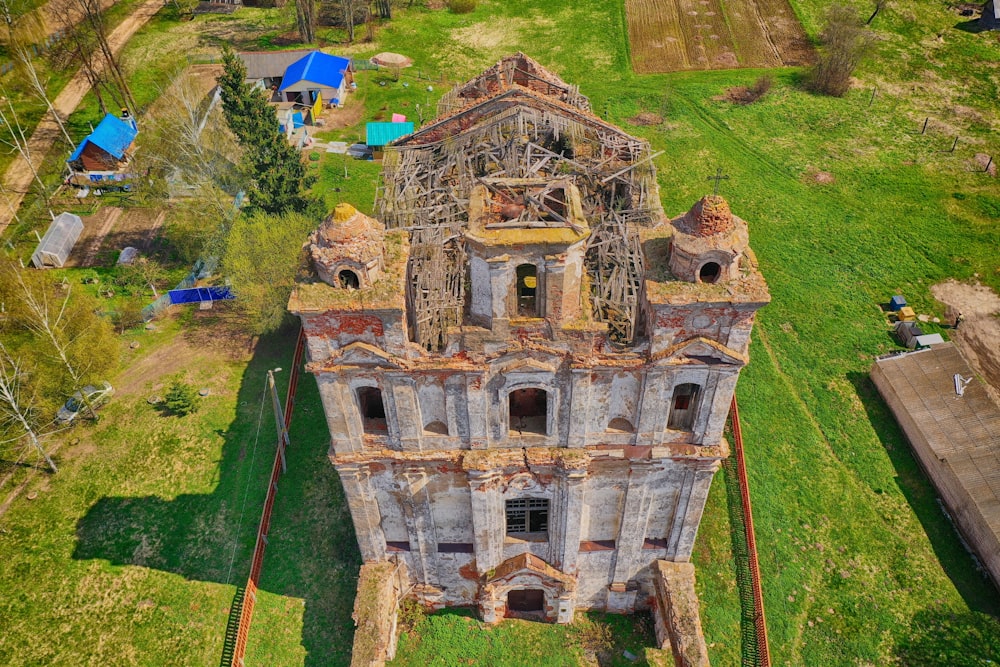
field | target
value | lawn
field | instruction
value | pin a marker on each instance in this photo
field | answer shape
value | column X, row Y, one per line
column 860, row 565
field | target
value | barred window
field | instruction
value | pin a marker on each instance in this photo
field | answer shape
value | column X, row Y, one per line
column 527, row 515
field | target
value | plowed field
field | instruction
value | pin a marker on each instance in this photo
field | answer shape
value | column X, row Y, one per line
column 672, row 35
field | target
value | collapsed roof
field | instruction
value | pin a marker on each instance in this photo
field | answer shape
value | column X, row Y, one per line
column 518, row 120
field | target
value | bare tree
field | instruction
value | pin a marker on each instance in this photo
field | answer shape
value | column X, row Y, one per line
column 349, row 8
column 17, row 140
column 86, row 42
column 16, row 406
column 879, row 6
column 189, row 141
column 305, row 17
column 844, row 43
column 26, row 67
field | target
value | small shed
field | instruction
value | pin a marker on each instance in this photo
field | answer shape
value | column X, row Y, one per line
column 54, row 248
column 378, row 135
column 316, row 75
column 107, row 148
column 908, row 333
column 896, row 303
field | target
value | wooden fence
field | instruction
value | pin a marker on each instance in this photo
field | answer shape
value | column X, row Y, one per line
column 246, row 598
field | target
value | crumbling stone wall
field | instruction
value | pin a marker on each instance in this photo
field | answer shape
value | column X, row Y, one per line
column 375, row 613
column 678, row 621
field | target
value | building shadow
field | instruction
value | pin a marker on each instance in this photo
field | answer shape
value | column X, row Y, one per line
column 312, row 552
column 959, row 565
column 940, row 637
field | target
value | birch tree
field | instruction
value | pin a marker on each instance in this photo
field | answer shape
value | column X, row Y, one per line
column 16, row 406
column 77, row 340
column 17, row 140
column 26, row 68
column 305, row 17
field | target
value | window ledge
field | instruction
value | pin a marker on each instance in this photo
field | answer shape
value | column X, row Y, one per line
column 521, row 538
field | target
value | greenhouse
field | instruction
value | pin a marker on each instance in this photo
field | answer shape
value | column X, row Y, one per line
column 54, row 248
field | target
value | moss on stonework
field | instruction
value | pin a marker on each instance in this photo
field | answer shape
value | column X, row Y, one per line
column 387, row 292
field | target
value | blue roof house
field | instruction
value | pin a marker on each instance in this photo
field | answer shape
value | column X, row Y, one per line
column 317, row 74
column 107, row 148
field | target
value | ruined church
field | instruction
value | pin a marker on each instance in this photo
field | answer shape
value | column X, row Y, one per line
column 525, row 366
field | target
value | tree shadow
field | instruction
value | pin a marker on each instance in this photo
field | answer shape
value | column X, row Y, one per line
column 974, row 26
column 312, row 552
column 959, row 565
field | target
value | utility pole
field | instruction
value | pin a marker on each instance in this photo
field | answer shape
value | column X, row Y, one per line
column 279, row 418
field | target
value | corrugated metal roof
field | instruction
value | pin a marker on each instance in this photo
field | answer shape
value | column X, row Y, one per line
column 319, row 68
column 113, row 135
column 381, row 134
column 270, row 64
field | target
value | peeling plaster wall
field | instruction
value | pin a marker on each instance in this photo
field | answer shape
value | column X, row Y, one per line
column 428, row 516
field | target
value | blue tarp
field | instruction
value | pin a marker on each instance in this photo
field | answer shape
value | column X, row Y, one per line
column 199, row 294
column 297, row 121
column 112, row 135
column 319, row 68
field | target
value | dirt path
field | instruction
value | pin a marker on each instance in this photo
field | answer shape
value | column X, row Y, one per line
column 50, row 13
column 978, row 336
column 17, row 179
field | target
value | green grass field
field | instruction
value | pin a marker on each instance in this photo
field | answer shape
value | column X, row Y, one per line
column 123, row 557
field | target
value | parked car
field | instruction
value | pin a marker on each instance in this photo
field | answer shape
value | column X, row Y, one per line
column 97, row 396
column 361, row 151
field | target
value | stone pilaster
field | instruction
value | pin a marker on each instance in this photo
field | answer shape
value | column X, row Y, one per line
column 724, row 385
column 555, row 289
column 342, row 417
column 406, row 411
column 478, row 411
column 579, row 414
column 565, row 519
column 488, row 521
column 653, row 408
column 631, row 537
column 364, row 510
column 683, row 533
column 420, row 524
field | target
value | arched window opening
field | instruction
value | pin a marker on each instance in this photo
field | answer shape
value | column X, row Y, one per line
column 684, row 405
column 709, row 272
column 527, row 288
column 620, row 425
column 528, row 411
column 348, row 279
column 372, row 410
column 527, row 516
column 436, row 428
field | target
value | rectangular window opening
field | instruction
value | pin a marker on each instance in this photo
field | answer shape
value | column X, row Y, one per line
column 526, row 516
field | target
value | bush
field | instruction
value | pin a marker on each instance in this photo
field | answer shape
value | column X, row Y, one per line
column 844, row 43
column 181, row 398
column 462, row 6
column 748, row 95
column 128, row 316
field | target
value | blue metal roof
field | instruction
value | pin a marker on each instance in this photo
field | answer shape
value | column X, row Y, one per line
column 382, row 134
column 317, row 67
column 113, row 136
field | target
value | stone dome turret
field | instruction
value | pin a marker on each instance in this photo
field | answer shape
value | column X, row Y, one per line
column 348, row 248
column 708, row 242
